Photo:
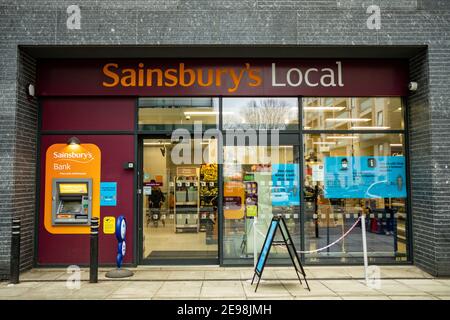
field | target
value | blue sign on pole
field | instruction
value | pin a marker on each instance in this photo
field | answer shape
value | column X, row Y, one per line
column 108, row 193
column 365, row 177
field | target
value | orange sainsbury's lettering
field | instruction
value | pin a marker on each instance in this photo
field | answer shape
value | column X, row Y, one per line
column 181, row 75
column 171, row 78
column 254, row 74
column 111, row 75
column 129, row 80
column 159, row 76
column 236, row 79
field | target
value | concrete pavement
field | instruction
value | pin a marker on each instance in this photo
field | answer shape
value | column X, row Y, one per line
column 212, row 282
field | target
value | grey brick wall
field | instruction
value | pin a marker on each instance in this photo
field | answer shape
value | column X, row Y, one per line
column 267, row 22
column 420, row 146
column 26, row 124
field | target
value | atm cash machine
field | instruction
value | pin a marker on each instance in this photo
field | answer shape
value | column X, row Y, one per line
column 71, row 201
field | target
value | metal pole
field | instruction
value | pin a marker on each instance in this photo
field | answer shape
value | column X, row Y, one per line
column 15, row 252
column 316, row 211
column 328, row 231
column 364, row 241
column 93, row 265
column 255, row 252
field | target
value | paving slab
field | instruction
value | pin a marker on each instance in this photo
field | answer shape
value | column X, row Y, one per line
column 52, row 290
column 365, row 298
column 186, row 275
column 290, row 274
column 318, row 298
column 271, row 298
column 443, row 281
column 136, row 290
column 224, row 274
column 329, row 273
column 179, row 289
column 396, row 288
column 430, row 286
column 96, row 291
column 267, row 289
column 13, row 292
column 142, row 275
column 298, row 290
column 402, row 272
column 424, row 297
column 176, row 298
column 350, row 288
column 38, row 274
column 222, row 291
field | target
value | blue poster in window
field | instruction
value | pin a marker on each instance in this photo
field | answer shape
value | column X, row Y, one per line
column 284, row 190
column 108, row 194
column 365, row 177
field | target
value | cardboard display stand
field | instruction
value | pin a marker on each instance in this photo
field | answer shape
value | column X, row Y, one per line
column 278, row 223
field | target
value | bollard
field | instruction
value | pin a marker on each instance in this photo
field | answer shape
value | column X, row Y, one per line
column 93, row 264
column 15, row 251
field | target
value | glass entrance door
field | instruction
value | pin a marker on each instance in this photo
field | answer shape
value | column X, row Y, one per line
column 260, row 182
column 179, row 203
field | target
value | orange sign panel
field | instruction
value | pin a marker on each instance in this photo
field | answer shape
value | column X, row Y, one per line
column 233, row 200
column 71, row 161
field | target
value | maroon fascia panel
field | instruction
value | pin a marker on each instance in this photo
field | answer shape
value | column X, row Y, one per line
column 88, row 114
column 360, row 77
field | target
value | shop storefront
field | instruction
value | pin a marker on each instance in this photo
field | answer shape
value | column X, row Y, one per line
column 192, row 152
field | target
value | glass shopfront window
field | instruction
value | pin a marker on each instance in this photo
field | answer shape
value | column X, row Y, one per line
column 346, row 175
column 260, row 113
column 167, row 114
column 352, row 114
column 354, row 163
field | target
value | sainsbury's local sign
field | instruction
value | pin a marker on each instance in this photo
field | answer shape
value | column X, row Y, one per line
column 227, row 77
column 230, row 78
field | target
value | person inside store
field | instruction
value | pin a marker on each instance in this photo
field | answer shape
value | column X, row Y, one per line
column 155, row 202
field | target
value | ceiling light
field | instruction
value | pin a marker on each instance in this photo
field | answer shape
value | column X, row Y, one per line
column 348, row 120
column 370, row 128
column 342, row 137
column 205, row 113
column 200, row 113
column 325, row 143
column 323, row 108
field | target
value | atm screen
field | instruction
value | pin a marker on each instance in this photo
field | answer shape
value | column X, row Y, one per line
column 71, row 188
column 70, row 207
